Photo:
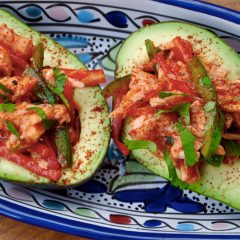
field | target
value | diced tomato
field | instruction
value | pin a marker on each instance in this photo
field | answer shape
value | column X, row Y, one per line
column 117, row 125
column 183, row 50
column 160, row 143
column 158, row 58
column 178, row 56
column 181, row 86
column 138, row 104
column 76, row 73
column 88, row 77
column 148, row 67
column 142, row 111
column 48, row 140
column 17, row 61
column 46, row 153
column 30, row 164
column 17, row 71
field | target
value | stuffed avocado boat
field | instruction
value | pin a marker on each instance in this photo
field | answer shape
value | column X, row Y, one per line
column 54, row 125
column 177, row 107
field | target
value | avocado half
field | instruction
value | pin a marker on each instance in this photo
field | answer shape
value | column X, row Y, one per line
column 89, row 151
column 221, row 183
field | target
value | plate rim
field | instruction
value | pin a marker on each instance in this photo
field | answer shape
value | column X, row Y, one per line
column 90, row 230
column 52, row 222
column 207, row 8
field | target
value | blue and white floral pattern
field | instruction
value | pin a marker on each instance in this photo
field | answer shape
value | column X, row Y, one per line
column 123, row 199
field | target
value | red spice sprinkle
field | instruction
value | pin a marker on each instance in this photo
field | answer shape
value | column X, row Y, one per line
column 89, row 154
column 98, row 109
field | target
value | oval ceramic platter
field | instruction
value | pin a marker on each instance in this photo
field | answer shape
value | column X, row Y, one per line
column 123, row 200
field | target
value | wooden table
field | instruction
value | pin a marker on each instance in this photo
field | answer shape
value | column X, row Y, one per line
column 13, row 230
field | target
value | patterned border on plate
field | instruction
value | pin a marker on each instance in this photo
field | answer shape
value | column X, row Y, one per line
column 67, row 213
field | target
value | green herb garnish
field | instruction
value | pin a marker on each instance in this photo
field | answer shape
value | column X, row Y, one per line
column 47, row 123
column 41, row 89
column 7, row 107
column 216, row 134
column 187, row 139
column 60, row 80
column 206, row 81
column 141, row 144
column 172, row 174
column 2, row 87
column 12, row 129
column 183, row 110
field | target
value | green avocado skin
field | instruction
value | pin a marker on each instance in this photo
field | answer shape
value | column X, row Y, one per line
column 220, row 183
column 90, row 150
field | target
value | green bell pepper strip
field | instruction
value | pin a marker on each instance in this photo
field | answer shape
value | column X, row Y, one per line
column 38, row 56
column 42, row 90
column 63, row 144
column 213, row 133
column 151, row 49
column 201, row 80
column 118, row 85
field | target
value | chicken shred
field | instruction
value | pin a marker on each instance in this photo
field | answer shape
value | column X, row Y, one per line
column 20, row 45
column 5, row 63
column 19, row 85
column 29, row 123
column 143, row 86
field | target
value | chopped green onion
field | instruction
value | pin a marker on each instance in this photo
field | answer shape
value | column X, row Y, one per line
column 60, row 80
column 172, row 174
column 47, row 123
column 206, row 81
column 60, row 95
column 7, row 107
column 183, row 110
column 164, row 94
column 2, row 87
column 12, row 129
column 216, row 134
column 151, row 49
column 187, row 139
column 42, row 90
column 141, row 144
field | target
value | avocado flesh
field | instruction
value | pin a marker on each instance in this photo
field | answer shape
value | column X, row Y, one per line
column 92, row 145
column 220, row 183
